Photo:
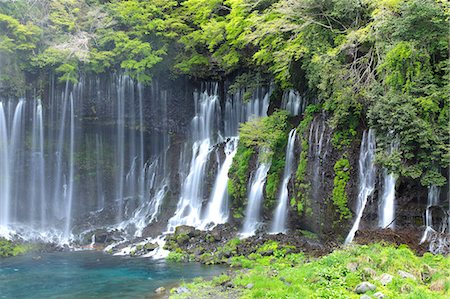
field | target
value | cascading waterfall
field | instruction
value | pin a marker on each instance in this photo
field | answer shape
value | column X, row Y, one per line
column 88, row 151
column 37, row 191
column 255, row 198
column 204, row 125
column 318, row 140
column 279, row 222
column 5, row 198
column 217, row 209
column 69, row 189
column 433, row 200
column 85, row 136
column 238, row 110
column 293, row 102
column 366, row 179
column 386, row 209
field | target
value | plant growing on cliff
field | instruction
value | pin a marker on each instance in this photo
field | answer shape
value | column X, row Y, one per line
column 341, row 178
column 300, row 200
column 268, row 133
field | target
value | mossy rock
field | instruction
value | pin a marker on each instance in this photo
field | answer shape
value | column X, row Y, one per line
column 150, row 246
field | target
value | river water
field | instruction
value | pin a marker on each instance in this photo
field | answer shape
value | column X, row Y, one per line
column 88, row 274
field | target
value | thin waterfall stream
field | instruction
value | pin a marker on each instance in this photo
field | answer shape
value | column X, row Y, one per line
column 279, row 222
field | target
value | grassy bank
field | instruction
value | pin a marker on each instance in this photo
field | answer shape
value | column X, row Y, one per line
column 9, row 248
column 396, row 272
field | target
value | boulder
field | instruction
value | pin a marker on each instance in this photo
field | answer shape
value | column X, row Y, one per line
column 438, row 286
column 379, row 295
column 185, row 230
column 406, row 275
column 160, row 290
column 369, row 272
column 352, row 267
column 182, row 290
column 364, row 287
column 150, row 246
column 385, row 278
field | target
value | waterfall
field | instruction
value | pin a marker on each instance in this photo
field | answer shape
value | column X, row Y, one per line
column 217, row 209
column 318, row 140
column 37, row 191
column 366, row 179
column 90, row 135
column 255, row 198
column 69, row 190
column 293, row 102
column 387, row 206
column 433, row 200
column 239, row 110
column 279, row 223
column 5, row 196
column 204, row 125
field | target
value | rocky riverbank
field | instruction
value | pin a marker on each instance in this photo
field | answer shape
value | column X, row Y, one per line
column 356, row 271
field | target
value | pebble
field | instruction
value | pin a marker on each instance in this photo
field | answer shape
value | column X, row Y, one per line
column 249, row 286
column 160, row 290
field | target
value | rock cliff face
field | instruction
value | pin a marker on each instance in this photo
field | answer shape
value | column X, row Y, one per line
column 133, row 153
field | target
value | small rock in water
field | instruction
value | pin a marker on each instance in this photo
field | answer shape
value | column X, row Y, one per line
column 405, row 275
column 150, row 246
column 160, row 290
column 249, row 286
column 365, row 297
column 364, row 287
column 379, row 295
column 385, row 278
column 182, row 290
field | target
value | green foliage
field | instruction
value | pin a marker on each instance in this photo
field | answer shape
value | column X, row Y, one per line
column 341, row 178
column 8, row 248
column 294, row 276
column 175, row 257
column 406, row 126
column 361, row 60
column 237, row 185
column 268, row 135
column 301, row 201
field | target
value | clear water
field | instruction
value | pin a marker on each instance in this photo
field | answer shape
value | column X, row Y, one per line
column 91, row 275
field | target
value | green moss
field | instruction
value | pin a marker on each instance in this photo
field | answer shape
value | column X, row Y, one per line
column 300, row 201
column 342, row 176
column 274, row 177
column 237, row 185
column 176, row 257
column 8, row 248
column 268, row 133
column 295, row 276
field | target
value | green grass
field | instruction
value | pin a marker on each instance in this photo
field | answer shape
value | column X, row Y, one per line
column 8, row 248
column 297, row 276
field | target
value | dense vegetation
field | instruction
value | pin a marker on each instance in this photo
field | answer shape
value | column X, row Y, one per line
column 9, row 248
column 380, row 63
column 336, row 275
column 262, row 140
